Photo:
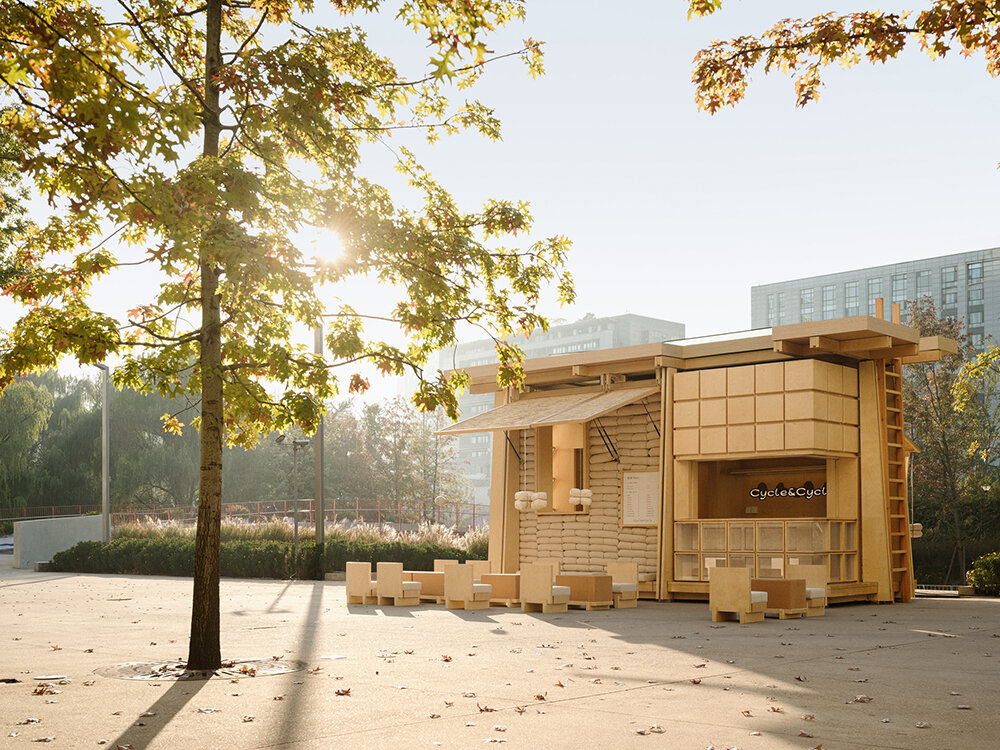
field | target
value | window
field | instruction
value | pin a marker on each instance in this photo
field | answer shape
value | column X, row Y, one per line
column 899, row 288
column 806, row 304
column 976, row 295
column 874, row 293
column 949, row 299
column 851, row 304
column 923, row 283
column 976, row 318
column 829, row 302
column 949, row 276
column 772, row 310
column 560, row 462
column 974, row 272
column 976, row 339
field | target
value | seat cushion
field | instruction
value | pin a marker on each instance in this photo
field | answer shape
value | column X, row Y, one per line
column 758, row 597
column 621, row 588
column 647, row 577
column 411, row 585
column 815, row 593
column 560, row 590
column 482, row 588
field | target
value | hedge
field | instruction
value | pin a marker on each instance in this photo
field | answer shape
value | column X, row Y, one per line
column 985, row 574
column 174, row 556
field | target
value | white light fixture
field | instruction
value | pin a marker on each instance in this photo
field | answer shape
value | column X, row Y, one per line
column 540, row 500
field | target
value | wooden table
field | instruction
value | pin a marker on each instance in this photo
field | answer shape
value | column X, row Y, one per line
column 431, row 584
column 586, row 590
column 506, row 588
column 786, row 597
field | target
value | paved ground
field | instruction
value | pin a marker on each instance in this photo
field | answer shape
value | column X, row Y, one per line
column 427, row 677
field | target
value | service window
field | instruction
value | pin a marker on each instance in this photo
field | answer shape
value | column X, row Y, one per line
column 561, row 463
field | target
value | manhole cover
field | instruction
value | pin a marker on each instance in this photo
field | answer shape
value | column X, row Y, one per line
column 175, row 670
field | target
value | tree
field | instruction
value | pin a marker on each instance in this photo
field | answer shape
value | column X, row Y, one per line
column 24, row 411
column 181, row 130
column 12, row 221
column 802, row 47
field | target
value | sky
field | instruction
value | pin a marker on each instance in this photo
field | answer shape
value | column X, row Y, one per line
column 674, row 213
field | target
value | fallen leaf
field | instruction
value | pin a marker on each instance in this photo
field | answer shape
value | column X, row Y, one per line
column 208, row 710
column 435, row 716
column 776, row 709
column 445, row 658
column 799, row 678
column 31, row 720
column 248, row 718
column 449, row 704
column 657, row 729
column 860, row 699
column 485, row 709
column 747, row 713
column 468, row 694
column 44, row 739
column 808, row 717
column 559, row 684
column 804, row 733
column 642, row 731
column 520, row 709
column 342, row 691
column 54, row 648
column 923, row 725
column 963, row 707
column 696, row 682
column 499, row 728
column 540, row 696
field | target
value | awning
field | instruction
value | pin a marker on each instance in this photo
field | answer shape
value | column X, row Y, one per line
column 549, row 410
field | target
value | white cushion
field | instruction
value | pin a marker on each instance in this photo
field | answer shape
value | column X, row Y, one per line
column 620, row 588
column 815, row 593
column 560, row 591
column 411, row 585
column 646, row 577
column 482, row 588
column 758, row 597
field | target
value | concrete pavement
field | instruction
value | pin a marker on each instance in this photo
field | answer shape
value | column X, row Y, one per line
column 863, row 676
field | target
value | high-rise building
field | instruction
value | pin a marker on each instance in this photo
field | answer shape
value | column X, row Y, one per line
column 588, row 334
column 963, row 285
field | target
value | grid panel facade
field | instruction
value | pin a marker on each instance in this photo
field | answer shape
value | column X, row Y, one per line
column 962, row 285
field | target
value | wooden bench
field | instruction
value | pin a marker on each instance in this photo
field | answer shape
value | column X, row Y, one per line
column 624, row 583
column 539, row 593
column 587, row 590
column 730, row 595
column 392, row 589
column 431, row 584
column 462, row 592
column 786, row 597
column 506, row 588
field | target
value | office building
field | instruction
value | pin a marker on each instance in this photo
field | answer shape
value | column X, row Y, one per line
column 965, row 285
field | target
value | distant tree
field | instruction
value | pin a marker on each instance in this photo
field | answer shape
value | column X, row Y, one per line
column 948, row 471
column 24, row 412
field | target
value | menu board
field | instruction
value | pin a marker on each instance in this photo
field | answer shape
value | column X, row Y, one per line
column 640, row 498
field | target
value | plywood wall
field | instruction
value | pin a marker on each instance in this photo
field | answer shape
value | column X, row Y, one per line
column 804, row 404
column 586, row 542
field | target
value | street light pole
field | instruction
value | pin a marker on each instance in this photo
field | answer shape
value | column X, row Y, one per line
column 105, row 451
column 318, row 457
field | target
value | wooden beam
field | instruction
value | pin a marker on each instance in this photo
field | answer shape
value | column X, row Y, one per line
column 894, row 352
column 871, row 342
column 928, row 356
column 823, row 342
column 669, row 362
column 791, row 349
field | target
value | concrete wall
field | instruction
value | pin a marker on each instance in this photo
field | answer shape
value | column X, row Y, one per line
column 586, row 542
column 38, row 541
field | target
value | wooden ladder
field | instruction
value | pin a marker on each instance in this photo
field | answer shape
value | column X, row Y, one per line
column 891, row 388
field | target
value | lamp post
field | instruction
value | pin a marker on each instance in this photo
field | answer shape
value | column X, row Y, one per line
column 105, row 439
column 318, row 457
column 296, row 444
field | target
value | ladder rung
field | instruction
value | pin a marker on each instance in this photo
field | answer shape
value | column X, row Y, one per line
column 897, row 515
column 899, row 570
column 893, row 392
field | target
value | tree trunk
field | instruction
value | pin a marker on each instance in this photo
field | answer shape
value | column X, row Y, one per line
column 204, row 649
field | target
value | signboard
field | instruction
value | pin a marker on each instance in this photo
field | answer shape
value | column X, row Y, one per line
column 640, row 498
